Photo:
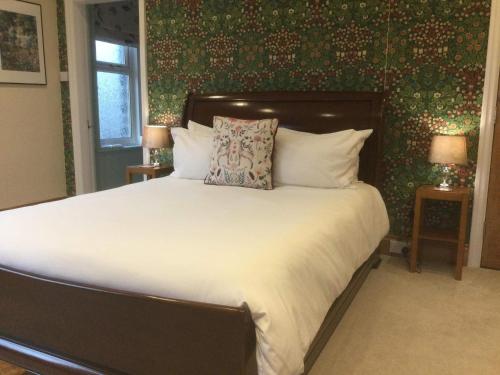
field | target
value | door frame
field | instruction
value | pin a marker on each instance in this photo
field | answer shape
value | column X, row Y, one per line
column 77, row 37
column 486, row 131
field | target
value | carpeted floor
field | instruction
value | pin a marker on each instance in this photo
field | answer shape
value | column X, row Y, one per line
column 6, row 369
column 403, row 323
column 428, row 323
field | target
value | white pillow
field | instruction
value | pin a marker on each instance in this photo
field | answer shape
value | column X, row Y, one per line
column 191, row 152
column 306, row 159
column 200, row 129
column 317, row 160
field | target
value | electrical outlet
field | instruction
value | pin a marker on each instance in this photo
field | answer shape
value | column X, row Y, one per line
column 396, row 247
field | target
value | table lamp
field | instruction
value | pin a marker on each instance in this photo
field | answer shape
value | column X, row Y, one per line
column 448, row 149
column 155, row 137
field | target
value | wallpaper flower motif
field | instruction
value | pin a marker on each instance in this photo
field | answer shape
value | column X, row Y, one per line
column 436, row 57
column 61, row 33
column 243, row 45
column 69, row 163
column 65, row 103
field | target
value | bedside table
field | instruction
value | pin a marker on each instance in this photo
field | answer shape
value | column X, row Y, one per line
column 148, row 170
column 457, row 194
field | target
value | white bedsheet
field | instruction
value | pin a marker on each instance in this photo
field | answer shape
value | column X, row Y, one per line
column 288, row 253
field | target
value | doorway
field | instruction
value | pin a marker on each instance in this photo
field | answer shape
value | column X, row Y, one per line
column 81, row 86
column 114, row 64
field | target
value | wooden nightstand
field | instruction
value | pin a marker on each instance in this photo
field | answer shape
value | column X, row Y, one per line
column 457, row 194
column 148, row 170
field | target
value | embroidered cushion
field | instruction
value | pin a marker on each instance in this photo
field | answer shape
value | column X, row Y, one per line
column 242, row 152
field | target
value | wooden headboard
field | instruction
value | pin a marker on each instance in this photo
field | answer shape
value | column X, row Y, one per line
column 315, row 112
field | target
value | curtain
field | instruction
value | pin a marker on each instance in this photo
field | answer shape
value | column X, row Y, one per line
column 117, row 22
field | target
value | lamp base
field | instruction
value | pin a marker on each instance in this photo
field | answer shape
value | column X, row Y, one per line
column 155, row 158
column 444, row 185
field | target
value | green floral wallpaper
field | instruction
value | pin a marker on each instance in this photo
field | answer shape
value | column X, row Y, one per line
column 207, row 46
column 68, row 140
column 436, row 58
column 65, row 101
column 428, row 57
column 61, row 32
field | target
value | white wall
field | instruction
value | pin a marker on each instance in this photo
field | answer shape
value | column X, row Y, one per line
column 31, row 140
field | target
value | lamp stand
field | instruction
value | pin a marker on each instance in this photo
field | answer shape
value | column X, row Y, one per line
column 155, row 160
column 444, row 185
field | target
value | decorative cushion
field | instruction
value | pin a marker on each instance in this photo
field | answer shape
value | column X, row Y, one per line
column 242, row 152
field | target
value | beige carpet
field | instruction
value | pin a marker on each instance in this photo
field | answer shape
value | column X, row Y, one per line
column 6, row 369
column 428, row 323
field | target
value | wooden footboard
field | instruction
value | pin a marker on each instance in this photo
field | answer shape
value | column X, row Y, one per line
column 56, row 328
column 52, row 327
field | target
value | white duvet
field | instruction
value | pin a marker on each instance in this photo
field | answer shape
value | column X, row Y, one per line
column 287, row 253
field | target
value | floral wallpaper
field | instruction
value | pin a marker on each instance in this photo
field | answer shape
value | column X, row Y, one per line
column 61, row 32
column 436, row 58
column 65, row 102
column 68, row 140
column 208, row 46
column 427, row 57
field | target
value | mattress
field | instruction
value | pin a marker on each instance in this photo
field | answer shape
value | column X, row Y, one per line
column 287, row 253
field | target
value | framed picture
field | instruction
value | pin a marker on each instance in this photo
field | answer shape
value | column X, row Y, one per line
column 22, row 57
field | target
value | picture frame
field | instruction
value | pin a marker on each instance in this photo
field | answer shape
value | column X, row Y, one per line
column 22, row 56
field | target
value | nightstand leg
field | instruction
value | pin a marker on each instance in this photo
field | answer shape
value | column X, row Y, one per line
column 461, row 238
column 414, row 238
column 128, row 177
column 460, row 262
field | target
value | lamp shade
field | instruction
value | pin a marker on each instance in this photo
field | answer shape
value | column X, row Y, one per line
column 448, row 149
column 155, row 136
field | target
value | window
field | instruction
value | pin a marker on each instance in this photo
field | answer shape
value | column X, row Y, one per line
column 117, row 95
column 110, row 53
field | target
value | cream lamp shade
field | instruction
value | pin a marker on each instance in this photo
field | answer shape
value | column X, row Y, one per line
column 155, row 136
column 448, row 149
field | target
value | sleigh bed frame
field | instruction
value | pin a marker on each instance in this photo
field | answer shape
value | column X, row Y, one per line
column 56, row 327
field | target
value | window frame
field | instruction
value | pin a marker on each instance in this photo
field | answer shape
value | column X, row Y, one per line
column 131, row 69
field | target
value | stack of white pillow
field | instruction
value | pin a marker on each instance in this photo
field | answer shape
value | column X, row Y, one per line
column 304, row 159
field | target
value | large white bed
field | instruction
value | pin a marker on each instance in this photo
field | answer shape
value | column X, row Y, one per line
column 287, row 253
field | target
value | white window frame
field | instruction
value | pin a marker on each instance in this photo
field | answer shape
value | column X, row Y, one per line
column 130, row 68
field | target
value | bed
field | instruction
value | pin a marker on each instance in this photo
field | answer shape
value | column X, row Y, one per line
column 67, row 313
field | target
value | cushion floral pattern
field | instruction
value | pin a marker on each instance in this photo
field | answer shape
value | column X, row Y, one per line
column 242, row 153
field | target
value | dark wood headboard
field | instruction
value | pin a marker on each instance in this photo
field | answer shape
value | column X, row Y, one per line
column 315, row 112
